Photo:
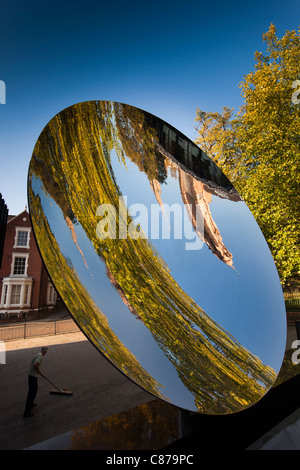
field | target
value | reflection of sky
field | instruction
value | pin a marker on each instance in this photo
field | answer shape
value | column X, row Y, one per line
column 246, row 301
column 131, row 332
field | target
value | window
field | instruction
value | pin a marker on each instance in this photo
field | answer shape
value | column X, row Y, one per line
column 26, row 295
column 16, row 292
column 15, row 298
column 19, row 265
column 4, row 294
column 22, row 237
column 52, row 295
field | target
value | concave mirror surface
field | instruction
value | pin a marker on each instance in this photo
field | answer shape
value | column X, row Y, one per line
column 157, row 257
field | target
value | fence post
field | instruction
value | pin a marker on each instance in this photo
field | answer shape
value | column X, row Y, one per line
column 25, row 330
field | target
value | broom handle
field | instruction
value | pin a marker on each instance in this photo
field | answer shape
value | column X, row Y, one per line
column 51, row 383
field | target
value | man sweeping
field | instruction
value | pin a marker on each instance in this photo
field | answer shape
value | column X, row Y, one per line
column 34, row 371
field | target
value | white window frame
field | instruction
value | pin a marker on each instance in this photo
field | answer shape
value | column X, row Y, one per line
column 19, row 255
column 51, row 294
column 15, row 304
column 22, row 229
column 25, row 294
column 4, row 294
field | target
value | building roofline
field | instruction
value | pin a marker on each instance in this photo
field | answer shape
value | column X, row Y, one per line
column 12, row 217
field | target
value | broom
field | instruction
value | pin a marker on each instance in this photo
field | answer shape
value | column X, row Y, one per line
column 57, row 390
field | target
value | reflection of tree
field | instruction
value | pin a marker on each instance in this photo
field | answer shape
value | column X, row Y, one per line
column 139, row 141
column 83, row 308
column 72, row 158
column 149, row 426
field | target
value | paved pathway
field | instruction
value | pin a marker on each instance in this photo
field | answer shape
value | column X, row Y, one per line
column 99, row 389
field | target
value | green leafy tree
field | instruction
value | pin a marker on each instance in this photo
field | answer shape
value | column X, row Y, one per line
column 259, row 147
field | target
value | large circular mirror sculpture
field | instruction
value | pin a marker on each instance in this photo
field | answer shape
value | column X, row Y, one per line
column 157, row 257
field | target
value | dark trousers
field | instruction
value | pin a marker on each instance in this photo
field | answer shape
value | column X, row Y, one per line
column 32, row 391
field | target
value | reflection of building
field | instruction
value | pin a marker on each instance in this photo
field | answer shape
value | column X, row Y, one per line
column 197, row 195
column 25, row 286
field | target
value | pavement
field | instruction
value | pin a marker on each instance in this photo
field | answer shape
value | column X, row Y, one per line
column 99, row 391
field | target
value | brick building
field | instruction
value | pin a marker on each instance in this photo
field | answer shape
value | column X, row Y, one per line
column 3, row 220
column 24, row 283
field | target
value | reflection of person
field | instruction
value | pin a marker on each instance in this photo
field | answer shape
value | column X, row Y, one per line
column 34, row 371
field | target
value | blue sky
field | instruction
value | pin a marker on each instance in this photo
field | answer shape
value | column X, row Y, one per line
column 166, row 57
